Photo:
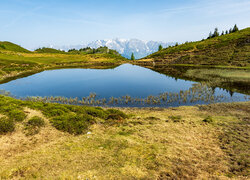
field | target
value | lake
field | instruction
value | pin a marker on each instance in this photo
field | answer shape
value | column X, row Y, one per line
column 126, row 85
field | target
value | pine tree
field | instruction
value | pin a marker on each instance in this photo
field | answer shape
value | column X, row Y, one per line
column 160, row 47
column 226, row 32
column 132, row 56
column 216, row 33
column 235, row 29
column 210, row 35
column 230, row 30
column 222, row 33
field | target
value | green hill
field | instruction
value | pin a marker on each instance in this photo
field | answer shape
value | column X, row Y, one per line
column 48, row 50
column 16, row 61
column 227, row 50
column 100, row 50
column 4, row 45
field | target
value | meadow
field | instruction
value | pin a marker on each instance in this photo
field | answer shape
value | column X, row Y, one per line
column 54, row 141
column 230, row 50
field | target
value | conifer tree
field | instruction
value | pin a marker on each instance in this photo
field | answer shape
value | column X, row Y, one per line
column 235, row 29
column 216, row 33
column 226, row 32
column 210, row 35
column 230, row 30
column 222, row 33
column 132, row 56
column 160, row 47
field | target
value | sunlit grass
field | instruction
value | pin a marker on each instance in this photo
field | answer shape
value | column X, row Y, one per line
column 148, row 144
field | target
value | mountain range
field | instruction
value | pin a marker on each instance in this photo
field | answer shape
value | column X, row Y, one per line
column 123, row 46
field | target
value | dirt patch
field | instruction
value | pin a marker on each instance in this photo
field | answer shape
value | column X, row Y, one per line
column 31, row 113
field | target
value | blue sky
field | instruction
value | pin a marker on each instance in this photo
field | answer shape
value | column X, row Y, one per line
column 35, row 23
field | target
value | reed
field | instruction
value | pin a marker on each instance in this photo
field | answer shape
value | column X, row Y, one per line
column 198, row 93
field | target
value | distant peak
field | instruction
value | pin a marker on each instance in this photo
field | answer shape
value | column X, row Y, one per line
column 125, row 47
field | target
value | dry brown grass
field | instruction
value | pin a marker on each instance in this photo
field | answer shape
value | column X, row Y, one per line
column 148, row 145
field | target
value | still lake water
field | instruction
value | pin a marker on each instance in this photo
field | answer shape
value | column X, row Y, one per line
column 127, row 79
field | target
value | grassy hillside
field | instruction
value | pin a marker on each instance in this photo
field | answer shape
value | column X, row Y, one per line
column 55, row 141
column 4, row 45
column 227, row 50
column 16, row 61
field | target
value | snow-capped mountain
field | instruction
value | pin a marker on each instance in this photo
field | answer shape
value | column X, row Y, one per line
column 127, row 47
column 124, row 47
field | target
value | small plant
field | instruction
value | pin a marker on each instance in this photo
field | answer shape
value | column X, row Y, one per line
column 34, row 125
column 208, row 119
column 6, row 125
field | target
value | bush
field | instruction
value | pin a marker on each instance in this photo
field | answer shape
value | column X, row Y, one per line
column 116, row 114
column 6, row 125
column 208, row 119
column 73, row 123
column 96, row 112
column 17, row 115
column 33, row 125
column 36, row 121
column 52, row 110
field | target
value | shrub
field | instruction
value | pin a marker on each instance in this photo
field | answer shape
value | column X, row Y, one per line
column 36, row 121
column 96, row 112
column 17, row 115
column 6, row 125
column 34, row 125
column 52, row 110
column 73, row 123
column 208, row 119
column 116, row 114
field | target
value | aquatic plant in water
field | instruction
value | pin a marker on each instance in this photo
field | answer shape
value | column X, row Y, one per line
column 198, row 93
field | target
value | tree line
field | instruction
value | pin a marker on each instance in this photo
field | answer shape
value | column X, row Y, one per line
column 216, row 32
column 211, row 35
column 100, row 50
